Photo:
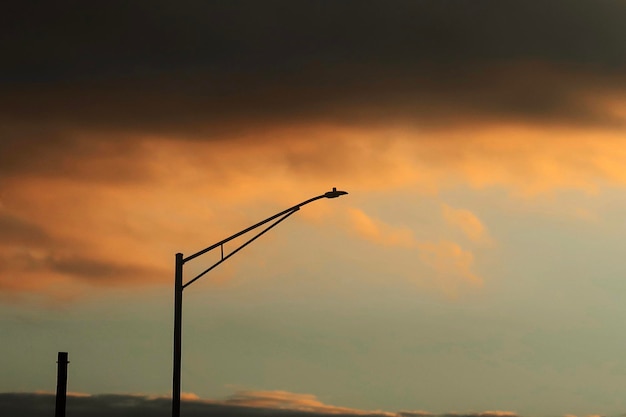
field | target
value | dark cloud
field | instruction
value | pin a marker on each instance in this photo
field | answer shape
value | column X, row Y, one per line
column 85, row 85
column 71, row 39
column 213, row 107
column 36, row 271
column 32, row 147
column 36, row 405
column 17, row 231
column 27, row 247
column 194, row 68
column 100, row 271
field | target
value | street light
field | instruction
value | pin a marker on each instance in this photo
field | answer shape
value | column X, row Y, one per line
column 179, row 286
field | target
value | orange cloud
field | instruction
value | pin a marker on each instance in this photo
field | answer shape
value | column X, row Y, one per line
column 126, row 206
column 467, row 221
column 285, row 400
column 189, row 396
column 379, row 232
column 451, row 263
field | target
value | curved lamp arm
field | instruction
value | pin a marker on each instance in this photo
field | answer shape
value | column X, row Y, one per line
column 279, row 217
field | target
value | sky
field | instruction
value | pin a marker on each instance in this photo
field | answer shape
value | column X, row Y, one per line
column 475, row 268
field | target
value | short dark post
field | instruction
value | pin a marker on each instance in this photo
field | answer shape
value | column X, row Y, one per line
column 61, row 384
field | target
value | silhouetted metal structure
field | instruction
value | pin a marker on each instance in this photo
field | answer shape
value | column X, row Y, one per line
column 179, row 286
column 61, row 384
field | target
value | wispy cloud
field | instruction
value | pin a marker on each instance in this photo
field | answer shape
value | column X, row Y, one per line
column 450, row 263
column 467, row 222
column 379, row 232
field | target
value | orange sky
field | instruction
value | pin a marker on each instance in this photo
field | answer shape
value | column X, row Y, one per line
column 474, row 265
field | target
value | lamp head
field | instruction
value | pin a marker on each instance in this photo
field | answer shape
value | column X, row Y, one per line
column 334, row 193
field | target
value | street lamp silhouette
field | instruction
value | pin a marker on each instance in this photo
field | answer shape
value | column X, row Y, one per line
column 179, row 286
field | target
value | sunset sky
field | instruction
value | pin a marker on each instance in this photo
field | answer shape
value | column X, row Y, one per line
column 476, row 266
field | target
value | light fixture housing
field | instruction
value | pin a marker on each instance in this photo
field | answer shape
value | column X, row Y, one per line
column 334, row 193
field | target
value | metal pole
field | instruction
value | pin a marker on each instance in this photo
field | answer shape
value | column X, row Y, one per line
column 61, row 384
column 179, row 287
column 178, row 316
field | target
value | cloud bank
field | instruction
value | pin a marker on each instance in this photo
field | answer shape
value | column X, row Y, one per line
column 210, row 71
column 248, row 403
